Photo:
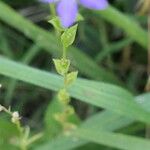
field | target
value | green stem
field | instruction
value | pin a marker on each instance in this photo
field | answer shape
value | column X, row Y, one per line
column 34, row 138
column 64, row 53
column 52, row 9
column 148, row 43
column 53, row 14
column 65, row 79
column 7, row 111
column 23, row 145
column 19, row 128
column 64, row 57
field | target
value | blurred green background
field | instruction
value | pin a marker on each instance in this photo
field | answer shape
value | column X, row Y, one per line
column 110, row 46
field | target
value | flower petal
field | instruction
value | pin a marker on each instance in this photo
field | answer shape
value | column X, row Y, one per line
column 95, row 4
column 67, row 11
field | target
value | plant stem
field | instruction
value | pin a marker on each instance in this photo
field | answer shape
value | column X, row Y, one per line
column 64, row 53
column 52, row 9
column 147, row 133
column 34, row 138
column 23, row 143
column 148, row 43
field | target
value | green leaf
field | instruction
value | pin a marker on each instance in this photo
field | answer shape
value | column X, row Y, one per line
column 129, row 25
column 115, row 140
column 50, row 44
column 112, row 48
column 68, row 36
column 71, row 77
column 62, row 65
column 53, row 128
column 105, row 120
column 99, row 94
column 28, row 56
column 8, row 132
column 80, row 17
column 56, row 23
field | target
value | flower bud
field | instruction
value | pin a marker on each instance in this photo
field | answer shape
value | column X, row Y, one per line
column 15, row 117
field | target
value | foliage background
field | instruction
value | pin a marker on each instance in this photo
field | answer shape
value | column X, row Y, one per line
column 110, row 52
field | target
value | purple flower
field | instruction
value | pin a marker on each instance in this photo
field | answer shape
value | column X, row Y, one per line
column 67, row 9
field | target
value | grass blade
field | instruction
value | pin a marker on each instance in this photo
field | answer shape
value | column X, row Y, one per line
column 99, row 94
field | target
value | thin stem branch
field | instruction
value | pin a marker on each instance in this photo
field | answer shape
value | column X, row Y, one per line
column 148, row 43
